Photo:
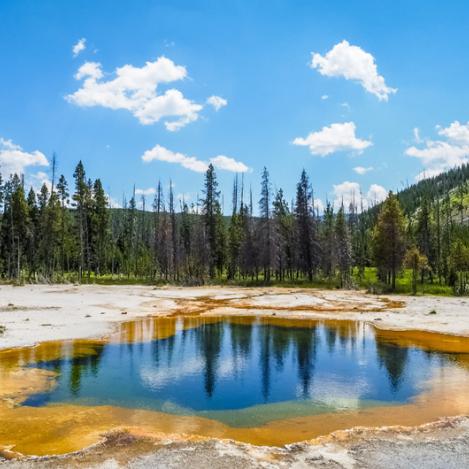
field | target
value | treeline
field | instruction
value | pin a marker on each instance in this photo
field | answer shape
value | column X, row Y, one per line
column 71, row 233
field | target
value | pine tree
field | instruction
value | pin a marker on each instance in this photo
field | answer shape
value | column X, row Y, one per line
column 389, row 240
column 130, row 237
column 461, row 192
column 283, row 237
column 100, row 227
column 186, row 239
column 80, row 202
column 173, row 228
column 362, row 243
column 15, row 227
column 306, row 237
column 328, row 241
column 212, row 217
column 417, row 262
column 45, row 250
column 63, row 195
column 200, row 255
column 459, row 259
column 33, row 234
column 424, row 232
column 248, row 253
column 447, row 239
column 343, row 248
column 235, row 235
column 265, row 234
column 158, row 237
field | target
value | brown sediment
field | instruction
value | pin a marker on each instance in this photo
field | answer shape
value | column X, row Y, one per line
column 18, row 384
column 392, row 304
column 12, row 307
column 431, row 341
column 206, row 304
column 12, row 359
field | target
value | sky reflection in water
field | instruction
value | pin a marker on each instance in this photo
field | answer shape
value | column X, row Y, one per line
column 243, row 371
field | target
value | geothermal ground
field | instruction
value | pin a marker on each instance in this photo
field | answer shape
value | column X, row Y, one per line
column 34, row 314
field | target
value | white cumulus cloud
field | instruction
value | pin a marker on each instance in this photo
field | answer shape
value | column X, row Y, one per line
column 90, row 70
column 145, row 192
column 351, row 192
column 376, row 194
column 135, row 90
column 361, row 170
column 346, row 193
column 337, row 137
column 217, row 102
column 318, row 205
column 228, row 164
column 353, row 63
column 79, row 47
column 456, row 132
column 160, row 153
column 441, row 155
column 13, row 159
column 427, row 174
column 37, row 180
column 113, row 203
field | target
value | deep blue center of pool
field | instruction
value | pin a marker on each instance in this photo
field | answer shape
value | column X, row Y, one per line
column 245, row 373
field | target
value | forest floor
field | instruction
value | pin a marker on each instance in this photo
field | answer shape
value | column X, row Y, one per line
column 37, row 313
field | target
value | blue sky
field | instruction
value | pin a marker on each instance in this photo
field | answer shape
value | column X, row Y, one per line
column 255, row 55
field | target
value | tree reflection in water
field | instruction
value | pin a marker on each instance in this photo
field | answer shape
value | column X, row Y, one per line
column 201, row 364
column 394, row 359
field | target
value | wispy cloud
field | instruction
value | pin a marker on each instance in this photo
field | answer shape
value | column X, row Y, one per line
column 217, row 102
column 145, row 192
column 79, row 47
column 361, row 170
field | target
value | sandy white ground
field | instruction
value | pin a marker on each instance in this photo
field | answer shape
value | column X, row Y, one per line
column 38, row 313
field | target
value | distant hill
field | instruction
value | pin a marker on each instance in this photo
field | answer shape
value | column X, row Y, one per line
column 453, row 183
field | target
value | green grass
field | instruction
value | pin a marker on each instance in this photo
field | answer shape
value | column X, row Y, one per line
column 404, row 284
column 368, row 281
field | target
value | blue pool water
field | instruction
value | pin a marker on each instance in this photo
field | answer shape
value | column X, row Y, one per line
column 243, row 372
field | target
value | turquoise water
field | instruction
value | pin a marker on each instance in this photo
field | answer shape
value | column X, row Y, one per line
column 245, row 372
